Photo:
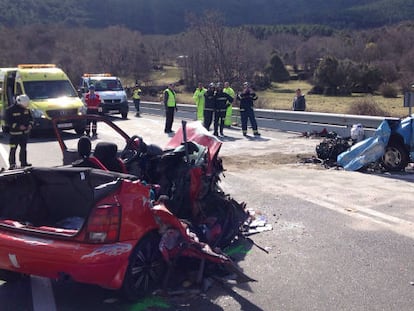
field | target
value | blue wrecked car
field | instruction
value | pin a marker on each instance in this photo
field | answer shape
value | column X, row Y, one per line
column 392, row 145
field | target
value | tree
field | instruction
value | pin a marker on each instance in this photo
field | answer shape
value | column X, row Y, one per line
column 217, row 53
column 277, row 70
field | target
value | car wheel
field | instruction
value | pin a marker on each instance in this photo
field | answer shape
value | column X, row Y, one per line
column 395, row 157
column 124, row 115
column 145, row 269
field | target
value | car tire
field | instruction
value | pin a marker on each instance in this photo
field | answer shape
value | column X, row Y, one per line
column 146, row 268
column 124, row 115
column 395, row 157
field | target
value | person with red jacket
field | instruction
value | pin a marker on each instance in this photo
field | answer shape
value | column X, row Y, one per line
column 93, row 105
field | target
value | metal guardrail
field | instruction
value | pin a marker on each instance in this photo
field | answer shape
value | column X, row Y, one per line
column 288, row 121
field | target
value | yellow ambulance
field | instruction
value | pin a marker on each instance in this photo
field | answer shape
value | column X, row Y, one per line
column 50, row 91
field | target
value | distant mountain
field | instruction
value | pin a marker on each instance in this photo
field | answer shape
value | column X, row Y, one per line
column 169, row 16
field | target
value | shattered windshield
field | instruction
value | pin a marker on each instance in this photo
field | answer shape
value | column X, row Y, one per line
column 107, row 85
column 49, row 89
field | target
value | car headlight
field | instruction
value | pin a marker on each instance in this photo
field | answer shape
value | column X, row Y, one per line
column 82, row 110
column 37, row 113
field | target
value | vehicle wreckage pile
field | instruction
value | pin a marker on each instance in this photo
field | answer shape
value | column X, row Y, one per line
column 188, row 173
column 131, row 230
column 390, row 148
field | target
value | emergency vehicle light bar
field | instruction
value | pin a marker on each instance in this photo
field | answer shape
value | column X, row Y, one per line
column 29, row 66
column 97, row 74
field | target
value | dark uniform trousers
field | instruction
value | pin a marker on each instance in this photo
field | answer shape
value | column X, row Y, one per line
column 169, row 119
column 219, row 116
column 245, row 115
column 208, row 117
column 15, row 141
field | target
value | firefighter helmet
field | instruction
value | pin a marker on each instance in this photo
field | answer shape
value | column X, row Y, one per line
column 23, row 100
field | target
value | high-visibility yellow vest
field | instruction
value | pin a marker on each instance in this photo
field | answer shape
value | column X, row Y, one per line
column 198, row 96
column 230, row 91
column 171, row 98
column 136, row 94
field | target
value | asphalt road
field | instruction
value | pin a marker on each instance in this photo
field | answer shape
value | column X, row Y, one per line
column 340, row 240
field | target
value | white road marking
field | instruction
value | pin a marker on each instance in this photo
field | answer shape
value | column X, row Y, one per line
column 4, row 154
column 42, row 294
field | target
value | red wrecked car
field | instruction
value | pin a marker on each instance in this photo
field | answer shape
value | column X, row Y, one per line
column 120, row 229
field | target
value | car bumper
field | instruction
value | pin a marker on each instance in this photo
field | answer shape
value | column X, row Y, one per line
column 102, row 265
column 120, row 107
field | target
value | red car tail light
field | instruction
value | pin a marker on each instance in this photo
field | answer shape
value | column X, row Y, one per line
column 104, row 224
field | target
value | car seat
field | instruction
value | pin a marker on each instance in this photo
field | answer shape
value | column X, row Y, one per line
column 106, row 153
column 86, row 159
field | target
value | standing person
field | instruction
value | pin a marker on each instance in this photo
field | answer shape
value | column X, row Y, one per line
column 246, row 98
column 223, row 100
column 170, row 107
column 136, row 97
column 199, row 100
column 93, row 105
column 20, row 122
column 299, row 101
column 209, row 105
column 228, row 90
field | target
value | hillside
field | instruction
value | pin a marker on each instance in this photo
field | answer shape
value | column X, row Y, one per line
column 169, row 16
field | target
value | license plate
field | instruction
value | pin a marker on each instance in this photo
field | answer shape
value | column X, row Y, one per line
column 65, row 125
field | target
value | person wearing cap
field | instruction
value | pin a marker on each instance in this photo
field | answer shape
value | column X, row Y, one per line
column 136, row 97
column 223, row 100
column 93, row 105
column 20, row 121
column 170, row 107
column 246, row 98
column 229, row 112
column 209, row 105
column 199, row 101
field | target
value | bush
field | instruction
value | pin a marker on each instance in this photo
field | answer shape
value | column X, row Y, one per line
column 388, row 90
column 261, row 82
column 367, row 107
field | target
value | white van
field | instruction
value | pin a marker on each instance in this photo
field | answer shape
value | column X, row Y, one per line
column 110, row 90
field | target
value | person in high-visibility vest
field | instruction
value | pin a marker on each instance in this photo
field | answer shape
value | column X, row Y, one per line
column 228, row 90
column 199, row 100
column 170, row 107
column 136, row 97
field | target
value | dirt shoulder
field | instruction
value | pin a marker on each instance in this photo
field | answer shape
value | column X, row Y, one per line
column 271, row 149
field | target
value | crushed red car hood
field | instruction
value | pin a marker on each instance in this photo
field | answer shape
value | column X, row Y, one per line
column 196, row 132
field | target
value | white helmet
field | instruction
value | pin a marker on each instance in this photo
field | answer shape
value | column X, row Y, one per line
column 23, row 100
